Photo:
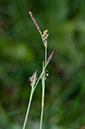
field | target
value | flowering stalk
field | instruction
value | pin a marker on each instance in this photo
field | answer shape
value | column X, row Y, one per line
column 44, row 39
column 34, row 83
column 33, row 79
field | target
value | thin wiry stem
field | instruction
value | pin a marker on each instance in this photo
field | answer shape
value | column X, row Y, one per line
column 28, row 108
column 43, row 95
column 43, row 90
column 45, row 54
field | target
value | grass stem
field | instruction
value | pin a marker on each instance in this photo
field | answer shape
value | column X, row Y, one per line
column 43, row 90
column 28, row 108
column 43, row 95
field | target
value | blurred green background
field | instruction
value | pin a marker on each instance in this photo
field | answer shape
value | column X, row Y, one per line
column 22, row 52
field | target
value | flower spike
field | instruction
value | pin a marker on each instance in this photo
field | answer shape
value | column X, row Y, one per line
column 44, row 37
column 50, row 57
column 45, row 34
column 35, row 22
column 33, row 79
column 46, row 75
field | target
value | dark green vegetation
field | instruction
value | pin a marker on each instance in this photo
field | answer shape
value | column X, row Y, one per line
column 21, row 52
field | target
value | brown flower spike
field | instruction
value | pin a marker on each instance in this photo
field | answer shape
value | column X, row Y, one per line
column 35, row 22
column 50, row 57
column 45, row 34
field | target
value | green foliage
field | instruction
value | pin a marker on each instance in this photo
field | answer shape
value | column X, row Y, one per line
column 21, row 52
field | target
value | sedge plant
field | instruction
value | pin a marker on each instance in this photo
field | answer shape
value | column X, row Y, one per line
column 34, row 80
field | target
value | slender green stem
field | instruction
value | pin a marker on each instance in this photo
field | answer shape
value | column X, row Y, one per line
column 28, row 108
column 45, row 54
column 43, row 90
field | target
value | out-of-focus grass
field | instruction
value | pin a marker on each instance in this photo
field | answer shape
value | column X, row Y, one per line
column 21, row 52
